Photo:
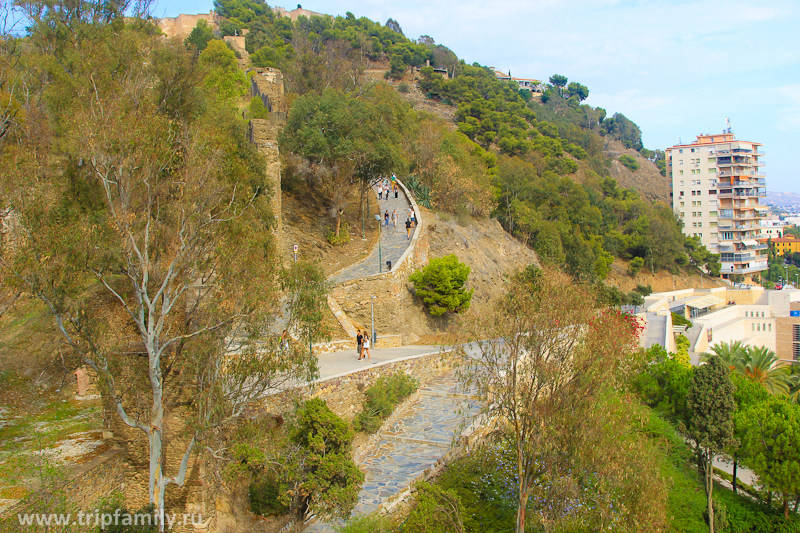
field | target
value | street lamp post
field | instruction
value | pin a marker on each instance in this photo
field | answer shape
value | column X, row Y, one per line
column 380, row 258
column 372, row 305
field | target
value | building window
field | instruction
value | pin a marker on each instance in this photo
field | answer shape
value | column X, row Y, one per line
column 680, row 151
column 680, row 173
column 712, row 213
column 682, row 204
column 712, row 202
column 713, row 224
column 712, row 183
column 681, row 193
column 699, row 202
column 712, row 170
column 680, row 183
column 712, row 159
column 770, row 326
column 699, row 224
column 712, row 191
column 680, row 161
column 753, row 327
column 714, row 235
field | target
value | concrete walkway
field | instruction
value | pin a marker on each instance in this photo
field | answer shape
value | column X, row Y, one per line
column 336, row 364
column 393, row 241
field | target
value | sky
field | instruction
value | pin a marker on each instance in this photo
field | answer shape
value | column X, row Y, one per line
column 676, row 68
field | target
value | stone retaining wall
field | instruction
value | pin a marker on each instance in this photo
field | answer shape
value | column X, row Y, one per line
column 345, row 394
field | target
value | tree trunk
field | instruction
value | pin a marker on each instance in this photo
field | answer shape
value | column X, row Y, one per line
column 523, row 502
column 338, row 223
column 709, row 471
column 735, row 464
column 785, row 506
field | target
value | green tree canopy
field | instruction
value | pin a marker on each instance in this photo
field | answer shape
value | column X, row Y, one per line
column 441, row 283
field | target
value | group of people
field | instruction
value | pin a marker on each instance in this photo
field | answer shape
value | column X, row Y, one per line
column 362, row 346
column 384, row 188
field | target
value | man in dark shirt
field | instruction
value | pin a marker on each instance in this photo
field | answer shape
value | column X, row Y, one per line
column 408, row 228
column 359, row 340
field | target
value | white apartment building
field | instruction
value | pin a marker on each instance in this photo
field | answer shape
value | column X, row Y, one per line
column 771, row 228
column 716, row 186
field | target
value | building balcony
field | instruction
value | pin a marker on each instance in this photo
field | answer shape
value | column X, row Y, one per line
column 741, row 194
column 739, row 172
column 732, row 268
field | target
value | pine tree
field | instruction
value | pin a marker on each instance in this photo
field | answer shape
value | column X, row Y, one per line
column 710, row 406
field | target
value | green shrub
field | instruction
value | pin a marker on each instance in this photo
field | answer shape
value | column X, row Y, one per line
column 633, row 298
column 265, row 497
column 371, row 523
column 644, row 290
column 404, row 88
column 629, row 162
column 343, row 237
column 680, row 320
column 440, row 285
column 381, row 400
column 635, row 265
column 257, row 109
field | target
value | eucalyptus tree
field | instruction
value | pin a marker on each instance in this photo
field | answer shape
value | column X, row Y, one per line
column 551, row 357
column 143, row 225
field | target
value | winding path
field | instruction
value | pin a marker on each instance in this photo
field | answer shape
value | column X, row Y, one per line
column 394, row 241
column 422, row 434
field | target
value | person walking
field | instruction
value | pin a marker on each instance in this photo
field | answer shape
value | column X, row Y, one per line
column 380, row 192
column 396, row 190
column 285, row 341
column 359, row 342
column 408, row 229
column 365, row 349
column 386, row 218
column 394, row 217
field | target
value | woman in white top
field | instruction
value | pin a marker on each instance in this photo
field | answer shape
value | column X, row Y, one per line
column 365, row 348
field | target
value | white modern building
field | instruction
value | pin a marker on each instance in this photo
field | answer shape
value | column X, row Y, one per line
column 771, row 228
column 716, row 185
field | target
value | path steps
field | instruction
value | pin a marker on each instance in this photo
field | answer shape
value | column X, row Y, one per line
column 422, row 434
column 394, row 242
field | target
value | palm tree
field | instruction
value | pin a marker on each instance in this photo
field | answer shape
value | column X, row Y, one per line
column 759, row 364
column 730, row 353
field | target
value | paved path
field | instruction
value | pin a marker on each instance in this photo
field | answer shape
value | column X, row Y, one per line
column 655, row 331
column 339, row 363
column 393, row 242
column 423, row 433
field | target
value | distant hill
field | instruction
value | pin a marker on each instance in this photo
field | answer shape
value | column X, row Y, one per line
column 783, row 199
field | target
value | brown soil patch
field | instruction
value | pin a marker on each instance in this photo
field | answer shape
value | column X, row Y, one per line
column 661, row 281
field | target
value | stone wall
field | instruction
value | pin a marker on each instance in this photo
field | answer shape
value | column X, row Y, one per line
column 265, row 136
column 267, row 84
column 182, row 25
column 345, row 394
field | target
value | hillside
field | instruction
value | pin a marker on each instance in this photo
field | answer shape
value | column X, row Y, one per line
column 647, row 179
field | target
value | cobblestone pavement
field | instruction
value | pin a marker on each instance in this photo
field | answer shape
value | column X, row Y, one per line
column 393, row 242
column 423, row 433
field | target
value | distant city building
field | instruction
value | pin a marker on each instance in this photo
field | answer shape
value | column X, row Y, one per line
column 786, row 244
column 771, row 228
column 716, row 186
